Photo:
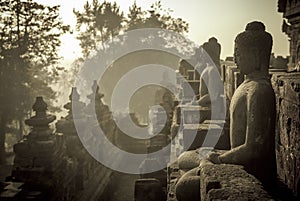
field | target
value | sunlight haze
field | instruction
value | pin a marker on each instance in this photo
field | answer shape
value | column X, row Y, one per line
column 219, row 18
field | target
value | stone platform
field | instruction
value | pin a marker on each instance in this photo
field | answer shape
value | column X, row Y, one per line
column 221, row 182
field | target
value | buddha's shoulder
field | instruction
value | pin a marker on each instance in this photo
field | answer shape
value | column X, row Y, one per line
column 260, row 87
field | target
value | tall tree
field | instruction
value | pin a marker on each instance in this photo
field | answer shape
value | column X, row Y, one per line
column 100, row 22
column 135, row 18
column 29, row 40
column 97, row 23
column 163, row 18
column 94, row 27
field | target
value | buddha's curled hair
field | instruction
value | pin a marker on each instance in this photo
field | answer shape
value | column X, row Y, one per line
column 257, row 39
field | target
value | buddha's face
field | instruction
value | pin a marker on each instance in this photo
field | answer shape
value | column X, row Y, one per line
column 245, row 59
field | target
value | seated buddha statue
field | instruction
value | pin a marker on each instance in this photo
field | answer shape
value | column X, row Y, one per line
column 252, row 108
column 252, row 113
column 211, row 89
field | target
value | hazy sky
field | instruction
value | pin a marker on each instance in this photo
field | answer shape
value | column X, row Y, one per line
column 223, row 19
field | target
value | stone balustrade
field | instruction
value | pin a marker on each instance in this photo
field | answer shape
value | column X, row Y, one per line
column 54, row 165
column 41, row 160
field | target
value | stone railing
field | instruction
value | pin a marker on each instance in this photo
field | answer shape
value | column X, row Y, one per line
column 41, row 160
column 229, row 182
column 217, row 182
column 55, row 165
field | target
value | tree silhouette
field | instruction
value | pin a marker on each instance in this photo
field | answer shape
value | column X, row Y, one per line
column 135, row 18
column 29, row 39
column 100, row 22
column 97, row 23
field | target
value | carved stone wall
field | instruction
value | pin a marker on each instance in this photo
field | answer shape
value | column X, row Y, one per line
column 287, row 90
column 291, row 12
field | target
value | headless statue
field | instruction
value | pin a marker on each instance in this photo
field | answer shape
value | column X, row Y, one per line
column 252, row 112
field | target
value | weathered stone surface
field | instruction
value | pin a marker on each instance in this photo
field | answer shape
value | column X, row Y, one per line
column 229, row 182
column 211, row 89
column 190, row 88
column 200, row 135
column 278, row 62
column 213, row 49
column 148, row 190
column 40, row 160
column 217, row 182
column 187, row 187
column 252, row 118
column 160, row 139
column 184, row 66
column 288, row 128
column 56, row 164
column 238, row 79
column 188, row 160
column 191, row 74
column 229, row 82
column 150, row 164
column 252, row 108
column 193, row 114
column 291, row 11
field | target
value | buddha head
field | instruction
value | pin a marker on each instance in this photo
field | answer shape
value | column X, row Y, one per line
column 213, row 40
column 253, row 49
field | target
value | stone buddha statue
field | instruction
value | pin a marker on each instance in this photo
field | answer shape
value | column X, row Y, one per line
column 252, row 113
column 209, row 69
column 252, row 108
column 213, row 49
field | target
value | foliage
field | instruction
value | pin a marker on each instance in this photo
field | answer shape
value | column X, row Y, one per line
column 29, row 40
column 99, row 22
